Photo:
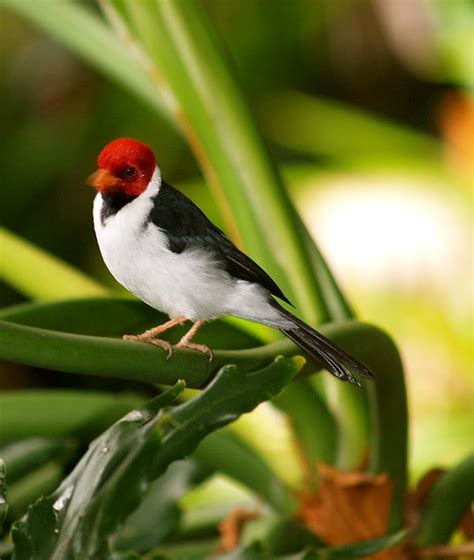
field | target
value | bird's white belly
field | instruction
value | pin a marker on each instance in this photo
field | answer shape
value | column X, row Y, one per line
column 189, row 284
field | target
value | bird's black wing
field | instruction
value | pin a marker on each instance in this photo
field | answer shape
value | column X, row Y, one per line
column 186, row 226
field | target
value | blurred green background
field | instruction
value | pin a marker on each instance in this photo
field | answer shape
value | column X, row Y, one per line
column 366, row 106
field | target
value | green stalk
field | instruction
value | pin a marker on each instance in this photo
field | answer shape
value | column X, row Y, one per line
column 213, row 114
column 112, row 357
column 447, row 503
column 389, row 414
column 206, row 100
column 39, row 275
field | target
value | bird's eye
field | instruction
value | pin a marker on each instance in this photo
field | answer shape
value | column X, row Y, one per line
column 129, row 172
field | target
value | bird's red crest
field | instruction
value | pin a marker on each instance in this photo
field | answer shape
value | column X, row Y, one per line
column 124, row 165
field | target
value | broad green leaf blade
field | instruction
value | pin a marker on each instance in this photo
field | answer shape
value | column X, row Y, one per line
column 86, row 34
column 212, row 110
column 111, row 479
column 230, row 455
column 447, row 503
column 39, row 275
column 3, row 495
column 114, row 317
column 50, row 526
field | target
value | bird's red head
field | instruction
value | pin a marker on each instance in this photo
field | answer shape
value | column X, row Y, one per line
column 124, row 166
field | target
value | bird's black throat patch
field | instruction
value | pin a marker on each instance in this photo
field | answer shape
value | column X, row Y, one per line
column 112, row 203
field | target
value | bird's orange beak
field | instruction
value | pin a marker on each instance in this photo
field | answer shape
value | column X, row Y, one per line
column 102, row 179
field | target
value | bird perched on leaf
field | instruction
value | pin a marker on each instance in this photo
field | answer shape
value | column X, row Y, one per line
column 162, row 248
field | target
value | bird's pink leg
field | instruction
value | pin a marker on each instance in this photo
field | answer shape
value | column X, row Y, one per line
column 150, row 335
column 185, row 342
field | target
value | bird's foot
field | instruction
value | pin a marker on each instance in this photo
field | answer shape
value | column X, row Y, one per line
column 193, row 346
column 151, row 340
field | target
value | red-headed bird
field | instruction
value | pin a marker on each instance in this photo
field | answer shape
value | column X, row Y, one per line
column 162, row 248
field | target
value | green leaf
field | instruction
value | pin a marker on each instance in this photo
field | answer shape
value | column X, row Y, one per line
column 359, row 550
column 158, row 516
column 3, row 495
column 448, row 501
column 110, row 480
column 277, row 535
column 39, row 275
column 56, row 524
column 87, row 35
column 189, row 550
column 249, row 552
column 35, row 467
column 60, row 413
column 312, row 125
column 189, row 57
column 315, row 427
column 230, row 455
column 364, row 549
column 110, row 357
column 25, row 456
column 35, row 484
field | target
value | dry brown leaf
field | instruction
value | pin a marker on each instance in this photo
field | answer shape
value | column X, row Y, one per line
column 350, row 507
column 231, row 527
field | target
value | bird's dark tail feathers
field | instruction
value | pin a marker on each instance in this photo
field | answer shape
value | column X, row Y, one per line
column 330, row 356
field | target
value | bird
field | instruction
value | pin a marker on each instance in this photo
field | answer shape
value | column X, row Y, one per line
column 161, row 247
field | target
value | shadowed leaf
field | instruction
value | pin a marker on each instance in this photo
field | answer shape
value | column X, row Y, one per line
column 114, row 475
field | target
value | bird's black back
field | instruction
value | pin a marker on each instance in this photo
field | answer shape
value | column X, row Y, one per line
column 187, row 226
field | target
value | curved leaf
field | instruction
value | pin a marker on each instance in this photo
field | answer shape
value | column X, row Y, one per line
column 39, row 275
column 109, row 357
column 230, row 455
column 110, row 480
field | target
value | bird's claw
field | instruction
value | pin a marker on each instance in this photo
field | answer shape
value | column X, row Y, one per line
column 199, row 347
column 150, row 340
